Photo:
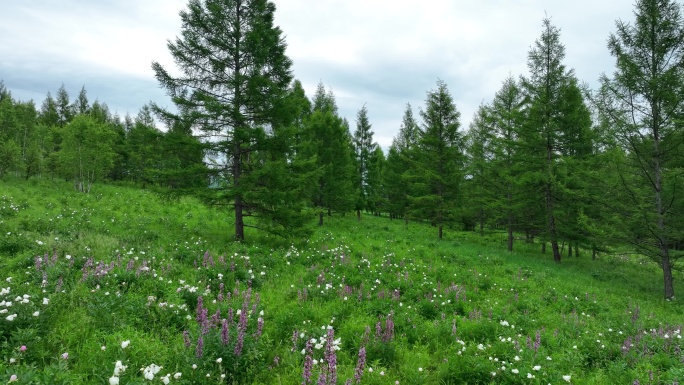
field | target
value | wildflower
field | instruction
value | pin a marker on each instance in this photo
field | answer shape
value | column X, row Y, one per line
column 103, row 348
column 22, row 348
column 530, row 375
column 13, row 378
column 11, row 317
column 515, row 371
column 36, row 313
column 65, row 356
column 420, row 369
column 566, row 378
column 119, row 368
column 46, row 301
column 177, row 375
column 536, row 367
column 114, row 380
column 125, row 344
column 219, row 360
column 166, row 379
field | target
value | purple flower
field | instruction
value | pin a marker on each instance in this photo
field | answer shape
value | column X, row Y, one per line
column 199, row 350
column 360, row 365
column 308, row 364
column 224, row 332
column 186, row 338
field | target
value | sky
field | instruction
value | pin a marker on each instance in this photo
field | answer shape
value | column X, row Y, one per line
column 379, row 53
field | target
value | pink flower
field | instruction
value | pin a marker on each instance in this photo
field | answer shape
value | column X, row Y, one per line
column 22, row 348
column 13, row 378
column 65, row 356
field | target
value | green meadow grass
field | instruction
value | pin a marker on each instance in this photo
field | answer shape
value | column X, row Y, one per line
column 123, row 274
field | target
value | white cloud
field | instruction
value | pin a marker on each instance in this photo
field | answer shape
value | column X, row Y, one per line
column 383, row 53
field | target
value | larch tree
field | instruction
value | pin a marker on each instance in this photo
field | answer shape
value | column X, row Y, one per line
column 644, row 102
column 328, row 142
column 233, row 82
column 397, row 164
column 437, row 161
column 363, row 148
column 543, row 135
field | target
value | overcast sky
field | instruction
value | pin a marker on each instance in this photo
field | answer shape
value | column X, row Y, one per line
column 382, row 53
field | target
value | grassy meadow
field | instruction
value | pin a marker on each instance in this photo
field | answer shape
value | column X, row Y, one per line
column 123, row 286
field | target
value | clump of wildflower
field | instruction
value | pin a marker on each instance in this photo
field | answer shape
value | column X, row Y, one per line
column 308, row 363
column 150, row 371
column 360, row 365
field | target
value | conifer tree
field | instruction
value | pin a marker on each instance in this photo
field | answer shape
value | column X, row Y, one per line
column 364, row 148
column 328, row 142
column 232, row 89
column 643, row 102
column 437, row 164
column 551, row 115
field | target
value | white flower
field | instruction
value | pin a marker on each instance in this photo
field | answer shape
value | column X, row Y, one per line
column 566, row 378
column 537, row 367
column 194, row 366
column 11, row 317
column 119, row 368
column 516, row 358
column 177, row 375
column 114, row 380
column 166, row 379
column 515, row 371
column 530, row 375
column 46, row 301
column 219, row 360
column 420, row 369
column 36, row 313
column 125, row 344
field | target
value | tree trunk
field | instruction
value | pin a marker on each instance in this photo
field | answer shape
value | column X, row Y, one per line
column 544, row 247
column 481, row 222
column 660, row 211
column 358, row 215
column 553, row 234
column 510, row 237
column 320, row 218
column 577, row 251
column 440, row 231
column 239, row 204
column 569, row 250
column 667, row 274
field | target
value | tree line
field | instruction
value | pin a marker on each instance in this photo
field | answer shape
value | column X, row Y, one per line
column 84, row 142
column 545, row 160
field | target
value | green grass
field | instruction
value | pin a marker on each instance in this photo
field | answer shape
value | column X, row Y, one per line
column 122, row 264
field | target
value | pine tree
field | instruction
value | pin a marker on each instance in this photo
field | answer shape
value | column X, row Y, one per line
column 643, row 102
column 235, row 76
